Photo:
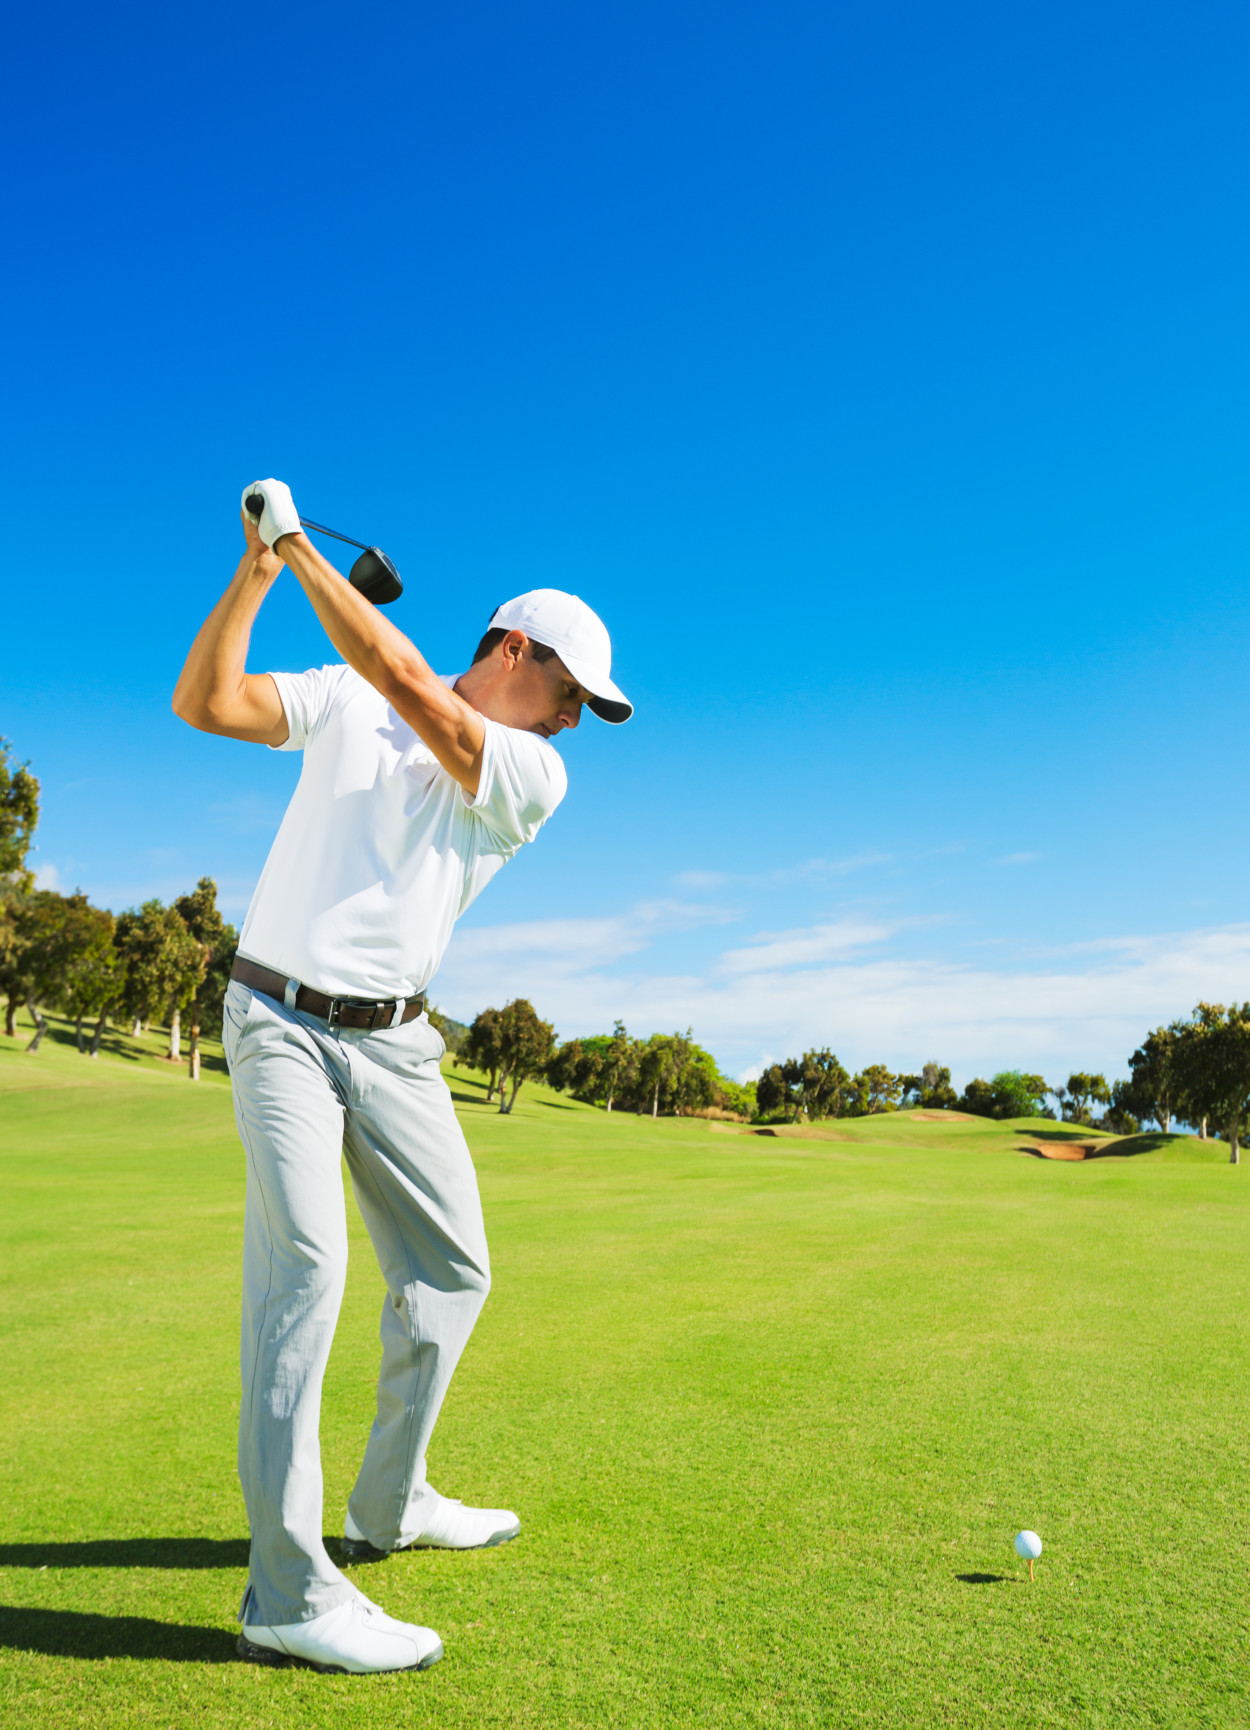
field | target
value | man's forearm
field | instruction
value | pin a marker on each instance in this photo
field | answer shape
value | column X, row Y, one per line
column 390, row 662
column 214, row 691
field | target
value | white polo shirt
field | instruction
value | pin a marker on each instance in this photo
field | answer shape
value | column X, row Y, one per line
column 380, row 850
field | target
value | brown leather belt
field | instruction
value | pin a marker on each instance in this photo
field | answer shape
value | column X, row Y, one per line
column 338, row 1011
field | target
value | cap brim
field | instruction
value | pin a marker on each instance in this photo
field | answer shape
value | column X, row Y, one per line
column 606, row 700
column 609, row 709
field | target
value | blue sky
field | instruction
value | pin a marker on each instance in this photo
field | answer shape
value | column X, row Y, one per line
column 880, row 375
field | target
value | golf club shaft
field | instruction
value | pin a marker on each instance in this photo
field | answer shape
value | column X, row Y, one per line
column 307, row 523
column 256, row 505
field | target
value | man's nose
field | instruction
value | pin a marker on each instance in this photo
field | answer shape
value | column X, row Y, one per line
column 572, row 715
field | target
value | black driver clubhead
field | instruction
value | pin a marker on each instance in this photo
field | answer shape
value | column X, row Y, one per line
column 376, row 577
column 373, row 574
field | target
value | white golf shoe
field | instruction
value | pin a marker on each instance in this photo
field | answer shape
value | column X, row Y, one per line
column 356, row 1637
column 445, row 1525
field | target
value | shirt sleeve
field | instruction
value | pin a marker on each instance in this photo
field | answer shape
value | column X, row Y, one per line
column 306, row 699
column 523, row 780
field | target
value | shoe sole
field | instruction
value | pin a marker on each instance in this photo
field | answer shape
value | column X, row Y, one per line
column 361, row 1550
column 254, row 1654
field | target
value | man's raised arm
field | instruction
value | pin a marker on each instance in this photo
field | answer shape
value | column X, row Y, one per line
column 452, row 728
column 215, row 692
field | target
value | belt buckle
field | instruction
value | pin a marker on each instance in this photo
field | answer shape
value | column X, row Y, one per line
column 339, row 1004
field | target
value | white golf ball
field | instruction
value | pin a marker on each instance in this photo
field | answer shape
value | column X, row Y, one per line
column 1028, row 1545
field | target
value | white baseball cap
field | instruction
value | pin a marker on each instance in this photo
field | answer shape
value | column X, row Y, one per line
column 580, row 638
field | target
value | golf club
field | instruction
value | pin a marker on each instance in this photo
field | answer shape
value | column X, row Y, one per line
column 373, row 573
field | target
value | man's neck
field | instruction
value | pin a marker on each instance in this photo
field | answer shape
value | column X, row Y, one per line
column 476, row 688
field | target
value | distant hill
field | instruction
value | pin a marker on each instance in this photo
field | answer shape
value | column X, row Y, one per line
column 453, row 1032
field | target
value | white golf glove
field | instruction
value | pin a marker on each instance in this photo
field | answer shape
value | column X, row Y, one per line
column 279, row 516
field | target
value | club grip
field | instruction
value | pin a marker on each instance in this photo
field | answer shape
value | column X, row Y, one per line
column 255, row 503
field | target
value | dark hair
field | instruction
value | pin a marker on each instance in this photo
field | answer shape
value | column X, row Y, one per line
column 491, row 641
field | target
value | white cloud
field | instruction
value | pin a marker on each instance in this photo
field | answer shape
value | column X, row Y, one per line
column 813, row 871
column 554, row 956
column 820, row 870
column 48, row 877
column 1019, row 858
column 1085, row 1007
column 779, row 949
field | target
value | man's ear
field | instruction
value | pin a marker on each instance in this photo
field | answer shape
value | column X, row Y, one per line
column 513, row 647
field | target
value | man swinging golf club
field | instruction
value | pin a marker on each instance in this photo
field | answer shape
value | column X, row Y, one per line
column 414, row 791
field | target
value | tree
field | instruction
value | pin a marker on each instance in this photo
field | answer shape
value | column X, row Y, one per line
column 740, row 1097
column 19, row 815
column 978, row 1099
column 1151, row 1090
column 1017, row 1094
column 612, row 1068
column 43, row 951
column 696, row 1080
column 90, row 969
column 1009, row 1094
column 219, row 942
column 1120, row 1118
column 10, row 957
column 821, row 1085
column 577, row 1067
column 481, row 1049
column 931, row 1090
column 164, row 963
column 526, row 1045
column 771, row 1093
column 657, row 1068
column 1082, row 1091
column 620, row 1063
column 875, row 1090
column 1212, row 1066
column 815, row 1085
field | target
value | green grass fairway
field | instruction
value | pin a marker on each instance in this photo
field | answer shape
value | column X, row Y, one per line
column 771, row 1408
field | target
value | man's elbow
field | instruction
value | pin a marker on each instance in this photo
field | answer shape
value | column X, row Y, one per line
column 182, row 706
column 195, row 710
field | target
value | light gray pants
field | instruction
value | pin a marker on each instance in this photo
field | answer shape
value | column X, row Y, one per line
column 305, row 1094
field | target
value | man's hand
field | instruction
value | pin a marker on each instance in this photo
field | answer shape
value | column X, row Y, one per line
column 279, row 516
column 266, row 562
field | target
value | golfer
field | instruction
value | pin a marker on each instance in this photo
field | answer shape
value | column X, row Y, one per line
column 414, row 791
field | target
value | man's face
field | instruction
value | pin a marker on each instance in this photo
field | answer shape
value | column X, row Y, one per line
column 543, row 697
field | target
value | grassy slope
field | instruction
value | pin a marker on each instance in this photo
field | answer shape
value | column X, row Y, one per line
column 771, row 1409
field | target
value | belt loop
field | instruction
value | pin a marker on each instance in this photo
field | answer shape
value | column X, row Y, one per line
column 290, row 994
column 401, row 1003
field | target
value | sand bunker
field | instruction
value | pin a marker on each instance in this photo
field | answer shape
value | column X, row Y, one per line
column 1069, row 1149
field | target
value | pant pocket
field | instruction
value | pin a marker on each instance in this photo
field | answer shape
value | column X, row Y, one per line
column 235, row 1010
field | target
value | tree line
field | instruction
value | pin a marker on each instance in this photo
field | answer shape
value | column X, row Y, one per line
column 668, row 1072
column 156, row 964
column 1195, row 1070
column 59, row 952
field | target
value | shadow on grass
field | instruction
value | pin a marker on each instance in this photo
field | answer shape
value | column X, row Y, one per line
column 985, row 1579
column 75, row 1634
column 115, row 1043
column 129, row 1553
